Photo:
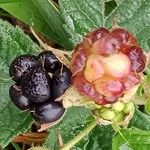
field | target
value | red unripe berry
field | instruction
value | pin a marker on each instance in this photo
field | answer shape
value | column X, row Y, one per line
column 106, row 64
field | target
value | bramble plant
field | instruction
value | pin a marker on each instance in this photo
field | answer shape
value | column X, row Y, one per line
column 92, row 92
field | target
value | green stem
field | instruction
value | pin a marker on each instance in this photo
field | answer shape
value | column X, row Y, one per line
column 80, row 136
column 117, row 128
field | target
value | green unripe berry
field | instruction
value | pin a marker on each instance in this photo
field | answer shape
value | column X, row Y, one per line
column 119, row 117
column 108, row 114
column 128, row 107
column 118, row 106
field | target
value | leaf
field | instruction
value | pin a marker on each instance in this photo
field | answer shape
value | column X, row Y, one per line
column 140, row 120
column 76, row 119
column 73, row 122
column 100, row 138
column 134, row 16
column 13, row 42
column 86, row 15
column 8, row 1
column 81, row 17
column 134, row 139
column 43, row 16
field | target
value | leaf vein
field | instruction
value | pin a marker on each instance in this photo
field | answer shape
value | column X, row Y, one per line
column 85, row 14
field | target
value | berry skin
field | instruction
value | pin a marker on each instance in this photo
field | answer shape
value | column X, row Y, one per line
column 48, row 112
column 94, row 36
column 50, row 61
column 109, row 87
column 107, row 45
column 36, row 85
column 61, row 80
column 83, row 86
column 132, row 79
column 22, row 65
column 137, row 58
column 18, row 99
column 78, row 65
column 124, row 36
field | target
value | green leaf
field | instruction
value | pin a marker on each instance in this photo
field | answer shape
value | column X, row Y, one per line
column 8, row 1
column 140, row 120
column 43, row 16
column 13, row 42
column 86, row 15
column 81, row 17
column 131, row 139
column 100, row 138
column 134, row 15
column 73, row 123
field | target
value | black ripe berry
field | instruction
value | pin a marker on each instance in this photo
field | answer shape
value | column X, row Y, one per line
column 22, row 65
column 35, row 85
column 18, row 99
column 49, row 60
column 61, row 80
column 48, row 112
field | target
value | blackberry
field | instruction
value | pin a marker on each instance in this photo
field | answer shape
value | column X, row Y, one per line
column 22, row 65
column 61, row 80
column 48, row 112
column 18, row 98
column 36, row 85
column 50, row 61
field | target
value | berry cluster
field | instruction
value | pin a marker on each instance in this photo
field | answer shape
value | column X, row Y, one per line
column 118, row 112
column 107, row 64
column 39, row 82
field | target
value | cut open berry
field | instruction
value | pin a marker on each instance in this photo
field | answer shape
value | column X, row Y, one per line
column 112, row 61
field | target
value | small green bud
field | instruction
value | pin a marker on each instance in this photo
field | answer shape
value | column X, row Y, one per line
column 118, row 106
column 108, row 114
column 119, row 117
column 128, row 107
